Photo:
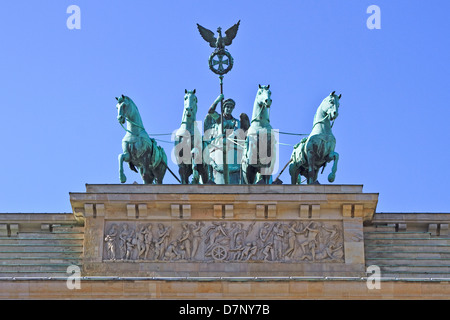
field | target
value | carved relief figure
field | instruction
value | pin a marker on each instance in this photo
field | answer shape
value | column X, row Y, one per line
column 308, row 241
column 292, row 234
column 278, row 238
column 171, row 253
column 196, row 237
column 125, row 233
column 140, row 242
column 111, row 242
column 163, row 241
column 148, row 240
column 130, row 245
column 185, row 241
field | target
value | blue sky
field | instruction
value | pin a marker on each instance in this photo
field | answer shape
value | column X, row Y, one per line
column 58, row 87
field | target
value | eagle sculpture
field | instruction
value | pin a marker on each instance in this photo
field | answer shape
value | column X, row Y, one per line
column 220, row 42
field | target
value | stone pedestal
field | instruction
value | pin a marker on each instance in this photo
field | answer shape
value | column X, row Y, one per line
column 223, row 230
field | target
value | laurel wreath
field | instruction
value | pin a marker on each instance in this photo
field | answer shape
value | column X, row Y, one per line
column 220, row 71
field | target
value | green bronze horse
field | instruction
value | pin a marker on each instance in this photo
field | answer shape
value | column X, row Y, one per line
column 259, row 151
column 189, row 144
column 139, row 150
column 315, row 151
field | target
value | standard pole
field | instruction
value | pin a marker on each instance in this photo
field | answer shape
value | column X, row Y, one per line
column 226, row 178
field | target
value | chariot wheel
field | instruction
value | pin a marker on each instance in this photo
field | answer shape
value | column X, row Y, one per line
column 219, row 253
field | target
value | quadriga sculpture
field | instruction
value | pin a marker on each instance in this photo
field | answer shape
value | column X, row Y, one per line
column 139, row 150
column 315, row 151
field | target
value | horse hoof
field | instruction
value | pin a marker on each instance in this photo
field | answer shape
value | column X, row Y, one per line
column 331, row 178
column 123, row 179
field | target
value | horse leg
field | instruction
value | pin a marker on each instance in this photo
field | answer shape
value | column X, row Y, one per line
column 312, row 176
column 159, row 174
column 203, row 169
column 148, row 177
column 160, row 170
column 185, row 171
column 123, row 157
column 195, row 174
column 294, row 171
column 266, row 178
column 250, row 175
column 335, row 157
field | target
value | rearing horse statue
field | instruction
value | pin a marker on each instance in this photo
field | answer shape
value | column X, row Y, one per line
column 189, row 144
column 139, row 150
column 259, row 151
column 317, row 149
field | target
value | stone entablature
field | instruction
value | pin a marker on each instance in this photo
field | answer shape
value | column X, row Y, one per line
column 258, row 230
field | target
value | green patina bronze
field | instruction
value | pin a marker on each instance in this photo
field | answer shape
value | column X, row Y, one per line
column 139, row 150
column 189, row 144
column 220, row 42
column 258, row 158
column 315, row 151
column 232, row 151
column 217, row 62
column 234, row 131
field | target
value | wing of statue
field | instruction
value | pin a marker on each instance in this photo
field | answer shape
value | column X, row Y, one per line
column 208, row 35
column 245, row 121
column 230, row 34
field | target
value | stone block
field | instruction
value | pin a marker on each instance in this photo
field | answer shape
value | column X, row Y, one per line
column 186, row 211
column 315, row 211
column 89, row 210
column 358, row 210
column 99, row 209
column 354, row 252
column 271, row 211
column 142, row 211
column 4, row 230
column 443, row 229
column 14, row 230
column 304, row 211
column 175, row 210
column 229, row 212
column 432, row 228
column 260, row 211
column 218, row 211
column 131, row 211
column 347, row 210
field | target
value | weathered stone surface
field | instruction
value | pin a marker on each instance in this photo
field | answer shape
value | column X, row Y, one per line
column 243, row 230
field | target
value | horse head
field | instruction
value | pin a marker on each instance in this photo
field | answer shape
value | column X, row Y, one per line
column 190, row 106
column 262, row 103
column 263, row 96
column 330, row 106
column 124, row 108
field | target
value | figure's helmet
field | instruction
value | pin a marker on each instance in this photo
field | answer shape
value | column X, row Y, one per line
column 229, row 102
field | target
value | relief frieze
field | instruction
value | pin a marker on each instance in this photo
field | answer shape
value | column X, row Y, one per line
column 224, row 241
